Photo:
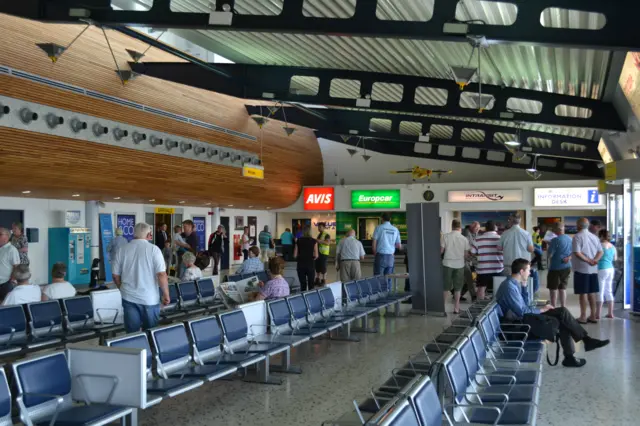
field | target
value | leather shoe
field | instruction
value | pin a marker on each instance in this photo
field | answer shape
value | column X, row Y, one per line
column 573, row 362
column 590, row 343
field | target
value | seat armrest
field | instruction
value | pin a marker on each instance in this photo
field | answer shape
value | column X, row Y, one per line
column 114, row 384
column 474, row 406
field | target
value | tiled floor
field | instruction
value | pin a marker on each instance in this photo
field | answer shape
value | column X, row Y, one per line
column 605, row 392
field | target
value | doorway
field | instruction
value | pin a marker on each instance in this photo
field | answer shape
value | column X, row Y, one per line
column 366, row 227
column 224, row 262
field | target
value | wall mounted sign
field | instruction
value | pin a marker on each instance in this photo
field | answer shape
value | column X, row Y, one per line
column 255, row 172
column 72, row 218
column 165, row 210
column 127, row 222
column 485, row 196
column 567, row 197
column 200, row 223
column 375, row 199
column 322, row 198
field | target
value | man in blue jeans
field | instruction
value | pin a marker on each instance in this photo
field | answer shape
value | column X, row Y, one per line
column 138, row 271
column 386, row 239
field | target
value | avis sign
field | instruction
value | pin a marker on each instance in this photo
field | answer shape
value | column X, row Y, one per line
column 319, row 198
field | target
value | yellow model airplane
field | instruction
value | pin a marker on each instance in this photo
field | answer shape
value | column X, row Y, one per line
column 418, row 172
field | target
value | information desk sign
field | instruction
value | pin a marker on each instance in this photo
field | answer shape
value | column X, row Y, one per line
column 375, row 199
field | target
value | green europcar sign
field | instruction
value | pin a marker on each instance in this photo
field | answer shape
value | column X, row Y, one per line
column 378, row 199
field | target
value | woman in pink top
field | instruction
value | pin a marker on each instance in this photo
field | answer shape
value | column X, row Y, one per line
column 277, row 286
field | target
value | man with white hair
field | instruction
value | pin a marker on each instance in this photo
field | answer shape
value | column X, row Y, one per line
column 116, row 243
column 515, row 243
column 587, row 251
column 349, row 253
column 24, row 291
column 138, row 270
column 9, row 257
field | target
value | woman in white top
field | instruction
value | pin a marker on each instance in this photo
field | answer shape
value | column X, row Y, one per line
column 246, row 243
column 59, row 288
column 24, row 292
column 191, row 272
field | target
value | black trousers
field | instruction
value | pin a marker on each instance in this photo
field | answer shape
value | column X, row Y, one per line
column 287, row 252
column 306, row 275
column 245, row 253
column 216, row 261
column 570, row 329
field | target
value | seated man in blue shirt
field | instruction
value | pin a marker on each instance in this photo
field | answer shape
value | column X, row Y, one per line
column 511, row 298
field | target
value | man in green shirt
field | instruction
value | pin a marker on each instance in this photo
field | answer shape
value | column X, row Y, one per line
column 323, row 239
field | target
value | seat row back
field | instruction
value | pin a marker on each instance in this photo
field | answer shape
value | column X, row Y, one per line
column 191, row 295
column 262, row 276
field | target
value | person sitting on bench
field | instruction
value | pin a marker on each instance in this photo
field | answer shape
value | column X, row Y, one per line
column 514, row 308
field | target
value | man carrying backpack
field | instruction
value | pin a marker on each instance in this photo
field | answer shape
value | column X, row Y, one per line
column 511, row 297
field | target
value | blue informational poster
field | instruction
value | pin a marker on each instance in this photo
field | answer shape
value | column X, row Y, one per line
column 127, row 222
column 200, row 223
column 106, row 236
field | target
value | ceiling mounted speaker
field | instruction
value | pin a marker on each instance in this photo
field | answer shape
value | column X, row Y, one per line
column 4, row 110
column 53, row 120
column 136, row 56
column 126, row 75
column 212, row 152
column 138, row 137
column 352, row 151
column 366, row 157
column 199, row 150
column 99, row 130
column 224, row 154
column 260, row 120
column 155, row 141
column 463, row 75
column 257, row 161
column 289, row 130
column 52, row 50
column 119, row 133
column 171, row 144
column 235, row 157
column 77, row 125
column 185, row 146
column 27, row 116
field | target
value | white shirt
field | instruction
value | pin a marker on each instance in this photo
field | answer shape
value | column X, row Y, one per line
column 9, row 257
column 191, row 274
column 177, row 238
column 60, row 290
column 514, row 243
column 455, row 246
column 350, row 249
column 549, row 236
column 245, row 242
column 26, row 293
column 138, row 264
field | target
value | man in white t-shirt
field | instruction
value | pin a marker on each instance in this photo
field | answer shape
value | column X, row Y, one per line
column 9, row 257
column 59, row 287
column 24, row 292
column 138, row 271
column 455, row 248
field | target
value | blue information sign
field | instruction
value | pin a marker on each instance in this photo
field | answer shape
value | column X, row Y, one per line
column 200, row 223
column 106, row 234
column 127, row 222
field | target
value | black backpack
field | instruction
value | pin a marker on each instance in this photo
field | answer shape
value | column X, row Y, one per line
column 545, row 328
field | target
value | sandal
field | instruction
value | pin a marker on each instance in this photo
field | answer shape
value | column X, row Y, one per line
column 589, row 320
column 609, row 316
column 582, row 322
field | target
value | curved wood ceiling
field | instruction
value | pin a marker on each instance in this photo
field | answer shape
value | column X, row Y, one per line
column 55, row 167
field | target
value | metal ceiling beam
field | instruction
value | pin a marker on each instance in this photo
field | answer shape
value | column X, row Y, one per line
column 589, row 169
column 349, row 122
column 273, row 82
column 617, row 34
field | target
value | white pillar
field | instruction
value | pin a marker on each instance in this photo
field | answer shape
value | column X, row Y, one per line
column 93, row 223
column 215, row 220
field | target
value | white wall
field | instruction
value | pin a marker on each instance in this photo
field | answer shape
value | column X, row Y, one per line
column 284, row 221
column 44, row 214
column 413, row 193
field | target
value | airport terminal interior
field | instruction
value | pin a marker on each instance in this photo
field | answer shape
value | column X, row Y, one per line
column 314, row 212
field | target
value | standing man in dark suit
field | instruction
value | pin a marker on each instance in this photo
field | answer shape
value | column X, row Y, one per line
column 161, row 235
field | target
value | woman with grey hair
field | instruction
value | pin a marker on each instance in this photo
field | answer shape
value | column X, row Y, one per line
column 24, row 291
column 191, row 272
column 19, row 241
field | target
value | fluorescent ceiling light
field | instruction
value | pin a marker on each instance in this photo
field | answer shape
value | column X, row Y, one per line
column 75, row 195
column 152, row 200
column 26, row 192
column 512, row 144
column 116, row 198
column 180, row 202
column 230, row 205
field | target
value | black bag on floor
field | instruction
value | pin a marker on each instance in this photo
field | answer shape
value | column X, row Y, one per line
column 202, row 260
column 545, row 328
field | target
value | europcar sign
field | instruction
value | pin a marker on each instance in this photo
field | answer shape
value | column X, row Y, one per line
column 376, row 199
column 319, row 198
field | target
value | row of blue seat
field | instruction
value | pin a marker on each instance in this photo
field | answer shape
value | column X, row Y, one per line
column 190, row 296
column 262, row 276
column 490, row 379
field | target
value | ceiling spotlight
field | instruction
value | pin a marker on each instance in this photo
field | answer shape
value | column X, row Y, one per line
column 77, row 125
column 256, row 161
column 152, row 200
column 207, row 204
column 534, row 174
column 366, row 157
column 250, row 207
column 289, row 130
column 138, row 137
column 211, row 152
column 52, row 50
column 126, row 75
column 230, row 205
column 352, row 151
column 224, row 154
column 481, row 101
column 4, row 110
column 27, row 116
column 75, row 195
column 185, row 146
column 136, row 56
column 268, row 208
column 463, row 75
column 180, row 202
column 155, row 141
column 53, row 120
column 116, row 198
column 512, row 144
column 118, row 133
column 235, row 157
column 199, row 150
column 26, row 192
column 99, row 130
column 260, row 120
column 171, row 144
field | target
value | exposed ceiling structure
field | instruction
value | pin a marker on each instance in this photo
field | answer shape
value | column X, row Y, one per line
column 387, row 72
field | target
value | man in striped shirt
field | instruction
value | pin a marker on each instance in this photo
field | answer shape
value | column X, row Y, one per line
column 489, row 254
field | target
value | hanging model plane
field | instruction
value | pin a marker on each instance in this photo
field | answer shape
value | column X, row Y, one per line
column 418, row 172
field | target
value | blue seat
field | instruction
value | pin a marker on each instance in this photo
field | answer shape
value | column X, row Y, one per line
column 78, row 317
column 188, row 295
column 333, row 311
column 13, row 330
column 513, row 330
column 236, row 337
column 279, row 325
column 499, row 351
column 315, row 319
column 386, row 289
column 352, row 293
column 397, row 412
column 207, row 340
column 173, row 356
column 263, row 276
column 234, row 278
column 45, row 320
column 5, row 400
column 174, row 300
column 424, row 400
column 44, row 395
column 367, row 298
column 499, row 410
column 299, row 314
column 165, row 387
column 206, row 291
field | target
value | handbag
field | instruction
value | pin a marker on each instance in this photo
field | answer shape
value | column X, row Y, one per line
column 546, row 328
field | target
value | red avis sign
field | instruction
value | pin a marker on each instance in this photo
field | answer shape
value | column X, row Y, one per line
column 318, row 198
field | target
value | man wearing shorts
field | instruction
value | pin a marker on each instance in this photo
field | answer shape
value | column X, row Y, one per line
column 559, row 265
column 455, row 248
column 489, row 259
column 587, row 251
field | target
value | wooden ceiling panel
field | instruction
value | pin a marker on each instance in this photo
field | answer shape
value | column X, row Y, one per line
column 54, row 167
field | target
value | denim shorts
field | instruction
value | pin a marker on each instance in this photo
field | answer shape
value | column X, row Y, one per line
column 137, row 316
